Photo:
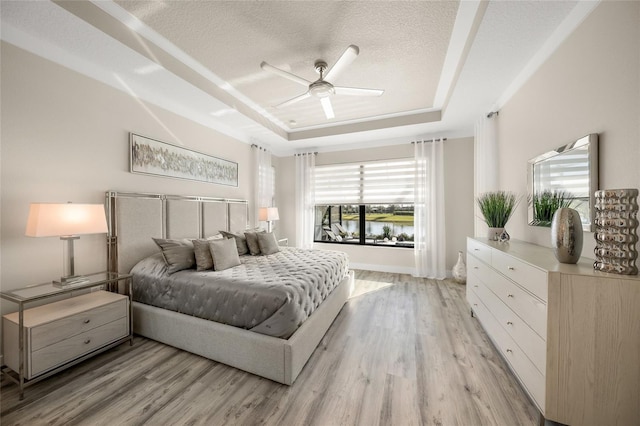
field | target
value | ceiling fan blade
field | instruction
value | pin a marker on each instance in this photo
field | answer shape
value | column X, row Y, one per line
column 328, row 109
column 345, row 60
column 293, row 100
column 356, row 91
column 277, row 71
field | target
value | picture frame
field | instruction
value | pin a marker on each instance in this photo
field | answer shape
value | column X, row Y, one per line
column 153, row 157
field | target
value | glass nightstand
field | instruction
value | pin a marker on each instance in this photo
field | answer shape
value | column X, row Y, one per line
column 94, row 302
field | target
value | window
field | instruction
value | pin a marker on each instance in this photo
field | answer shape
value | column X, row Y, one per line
column 365, row 203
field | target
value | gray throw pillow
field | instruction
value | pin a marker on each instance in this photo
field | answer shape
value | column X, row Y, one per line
column 224, row 254
column 241, row 241
column 252, row 242
column 204, row 261
column 178, row 254
column 268, row 243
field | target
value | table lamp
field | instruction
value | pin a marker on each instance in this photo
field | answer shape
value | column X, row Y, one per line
column 66, row 221
column 268, row 214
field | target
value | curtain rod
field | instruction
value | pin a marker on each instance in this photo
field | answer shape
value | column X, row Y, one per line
column 412, row 142
column 492, row 113
column 306, row 153
column 253, row 145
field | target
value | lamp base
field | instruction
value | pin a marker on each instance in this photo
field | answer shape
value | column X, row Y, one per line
column 70, row 281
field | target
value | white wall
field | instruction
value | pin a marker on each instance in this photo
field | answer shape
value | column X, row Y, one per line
column 458, row 158
column 65, row 138
column 591, row 84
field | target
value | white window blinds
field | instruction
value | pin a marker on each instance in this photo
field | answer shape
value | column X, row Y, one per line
column 376, row 182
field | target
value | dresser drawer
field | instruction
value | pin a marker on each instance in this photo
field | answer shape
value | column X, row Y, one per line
column 57, row 354
column 63, row 328
column 533, row 346
column 529, row 376
column 530, row 309
column 480, row 269
column 529, row 277
column 479, row 250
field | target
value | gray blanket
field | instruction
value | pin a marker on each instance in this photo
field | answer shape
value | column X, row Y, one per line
column 271, row 294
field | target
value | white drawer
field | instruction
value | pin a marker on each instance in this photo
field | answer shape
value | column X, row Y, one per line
column 56, row 331
column 527, row 276
column 532, row 310
column 478, row 268
column 57, row 354
column 529, row 376
column 531, row 344
column 479, row 250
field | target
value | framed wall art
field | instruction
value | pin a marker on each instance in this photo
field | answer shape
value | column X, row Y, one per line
column 152, row 157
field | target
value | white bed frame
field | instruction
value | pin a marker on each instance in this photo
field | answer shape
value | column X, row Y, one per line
column 135, row 218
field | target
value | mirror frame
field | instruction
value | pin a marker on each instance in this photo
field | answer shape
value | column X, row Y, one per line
column 591, row 141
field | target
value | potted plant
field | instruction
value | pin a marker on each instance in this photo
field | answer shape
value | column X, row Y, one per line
column 497, row 208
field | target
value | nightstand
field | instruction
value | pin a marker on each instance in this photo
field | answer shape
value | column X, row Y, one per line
column 41, row 341
column 283, row 242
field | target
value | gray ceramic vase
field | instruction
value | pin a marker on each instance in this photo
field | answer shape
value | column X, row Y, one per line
column 566, row 235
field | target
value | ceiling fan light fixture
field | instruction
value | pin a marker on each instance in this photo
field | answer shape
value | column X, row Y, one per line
column 321, row 89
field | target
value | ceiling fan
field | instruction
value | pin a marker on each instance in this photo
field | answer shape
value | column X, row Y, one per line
column 322, row 88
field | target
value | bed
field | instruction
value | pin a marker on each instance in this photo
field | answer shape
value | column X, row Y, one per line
column 135, row 218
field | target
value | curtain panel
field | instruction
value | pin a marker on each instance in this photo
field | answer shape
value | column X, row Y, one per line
column 486, row 164
column 263, row 182
column 429, row 216
column 305, row 199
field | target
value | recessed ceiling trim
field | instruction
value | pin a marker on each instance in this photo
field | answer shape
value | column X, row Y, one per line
column 128, row 30
column 404, row 120
column 464, row 30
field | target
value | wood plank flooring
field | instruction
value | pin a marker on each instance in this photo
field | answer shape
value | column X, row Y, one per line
column 403, row 351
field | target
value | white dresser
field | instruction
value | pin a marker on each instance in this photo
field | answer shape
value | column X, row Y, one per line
column 62, row 331
column 570, row 335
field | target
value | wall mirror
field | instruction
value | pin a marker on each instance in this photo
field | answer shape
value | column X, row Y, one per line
column 564, row 177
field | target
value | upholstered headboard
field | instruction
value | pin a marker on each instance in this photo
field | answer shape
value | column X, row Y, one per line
column 135, row 218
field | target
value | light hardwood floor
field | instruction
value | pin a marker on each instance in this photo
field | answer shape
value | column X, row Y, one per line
column 403, row 351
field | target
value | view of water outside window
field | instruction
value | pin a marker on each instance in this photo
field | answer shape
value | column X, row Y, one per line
column 387, row 224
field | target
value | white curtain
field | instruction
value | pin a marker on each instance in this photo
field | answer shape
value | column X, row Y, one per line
column 486, row 164
column 305, row 200
column 429, row 218
column 263, row 182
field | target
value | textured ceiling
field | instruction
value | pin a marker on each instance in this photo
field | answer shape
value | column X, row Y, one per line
column 402, row 49
column 443, row 64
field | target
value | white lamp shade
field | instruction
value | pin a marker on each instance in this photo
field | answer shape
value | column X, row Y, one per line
column 268, row 213
column 55, row 220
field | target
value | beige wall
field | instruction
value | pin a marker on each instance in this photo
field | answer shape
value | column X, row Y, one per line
column 458, row 158
column 591, row 84
column 65, row 138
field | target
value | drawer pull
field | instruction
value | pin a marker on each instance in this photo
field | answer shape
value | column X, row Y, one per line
column 511, row 268
column 475, row 267
column 509, row 323
column 476, row 285
column 475, row 249
column 509, row 351
column 87, row 321
column 475, row 304
column 87, row 341
column 510, row 295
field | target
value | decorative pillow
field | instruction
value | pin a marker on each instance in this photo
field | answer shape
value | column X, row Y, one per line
column 203, row 255
column 178, row 254
column 252, row 242
column 241, row 241
column 268, row 243
column 224, row 254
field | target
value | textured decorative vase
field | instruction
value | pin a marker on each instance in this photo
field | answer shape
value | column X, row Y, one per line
column 459, row 270
column 494, row 234
column 616, row 234
column 566, row 235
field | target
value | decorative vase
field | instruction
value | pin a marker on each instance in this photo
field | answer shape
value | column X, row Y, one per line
column 494, row 234
column 459, row 270
column 566, row 235
column 616, row 235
